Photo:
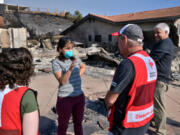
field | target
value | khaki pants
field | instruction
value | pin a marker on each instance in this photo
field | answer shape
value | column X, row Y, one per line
column 159, row 107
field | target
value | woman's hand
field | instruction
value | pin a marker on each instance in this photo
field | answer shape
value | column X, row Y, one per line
column 63, row 79
column 74, row 61
column 82, row 69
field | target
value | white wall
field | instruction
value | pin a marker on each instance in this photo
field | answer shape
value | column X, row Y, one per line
column 4, row 38
column 1, row 1
column 18, row 37
column 13, row 37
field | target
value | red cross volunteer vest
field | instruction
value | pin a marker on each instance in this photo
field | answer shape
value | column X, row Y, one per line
column 139, row 110
column 10, row 116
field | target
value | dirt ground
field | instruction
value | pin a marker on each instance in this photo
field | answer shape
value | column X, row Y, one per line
column 95, row 122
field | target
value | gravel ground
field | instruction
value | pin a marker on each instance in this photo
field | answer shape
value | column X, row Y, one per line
column 95, row 88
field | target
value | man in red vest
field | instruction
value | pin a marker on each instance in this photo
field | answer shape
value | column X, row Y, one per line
column 129, row 101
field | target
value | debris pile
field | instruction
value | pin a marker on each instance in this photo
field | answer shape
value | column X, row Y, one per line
column 99, row 62
column 176, row 65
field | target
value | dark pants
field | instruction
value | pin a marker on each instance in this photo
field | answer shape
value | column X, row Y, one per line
column 131, row 131
column 67, row 106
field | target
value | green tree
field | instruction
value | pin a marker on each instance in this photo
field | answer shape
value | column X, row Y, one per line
column 77, row 16
column 69, row 16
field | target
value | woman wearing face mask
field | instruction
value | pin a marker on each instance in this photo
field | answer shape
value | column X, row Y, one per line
column 68, row 70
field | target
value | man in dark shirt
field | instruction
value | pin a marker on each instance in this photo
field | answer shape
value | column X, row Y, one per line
column 162, row 53
column 130, row 44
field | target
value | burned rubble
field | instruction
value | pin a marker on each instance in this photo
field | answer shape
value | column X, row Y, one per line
column 98, row 61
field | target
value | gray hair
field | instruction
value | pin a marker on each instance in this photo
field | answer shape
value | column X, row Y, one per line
column 134, row 42
column 163, row 26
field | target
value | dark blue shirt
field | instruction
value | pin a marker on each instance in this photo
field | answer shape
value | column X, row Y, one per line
column 122, row 82
column 163, row 53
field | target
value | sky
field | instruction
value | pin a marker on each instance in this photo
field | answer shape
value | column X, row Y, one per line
column 99, row 7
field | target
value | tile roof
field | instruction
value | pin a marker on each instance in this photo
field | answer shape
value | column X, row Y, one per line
column 152, row 14
column 103, row 17
column 166, row 13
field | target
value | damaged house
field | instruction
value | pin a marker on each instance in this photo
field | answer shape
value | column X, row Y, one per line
column 12, row 37
column 96, row 28
column 19, row 23
column 9, row 36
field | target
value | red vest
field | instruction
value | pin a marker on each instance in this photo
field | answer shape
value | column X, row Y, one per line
column 10, row 117
column 139, row 110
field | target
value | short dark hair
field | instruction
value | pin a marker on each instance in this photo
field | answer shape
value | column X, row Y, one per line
column 63, row 41
column 16, row 66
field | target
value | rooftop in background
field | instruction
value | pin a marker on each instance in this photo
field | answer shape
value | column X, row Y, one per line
column 152, row 14
column 137, row 17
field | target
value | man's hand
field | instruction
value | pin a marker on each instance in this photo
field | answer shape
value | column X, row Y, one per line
column 110, row 99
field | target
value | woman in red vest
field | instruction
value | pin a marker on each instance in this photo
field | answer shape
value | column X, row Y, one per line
column 18, row 105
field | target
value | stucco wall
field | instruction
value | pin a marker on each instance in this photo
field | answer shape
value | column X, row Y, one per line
column 177, row 24
column 87, row 28
column 13, row 37
column 81, row 32
column 4, row 38
column 18, row 37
